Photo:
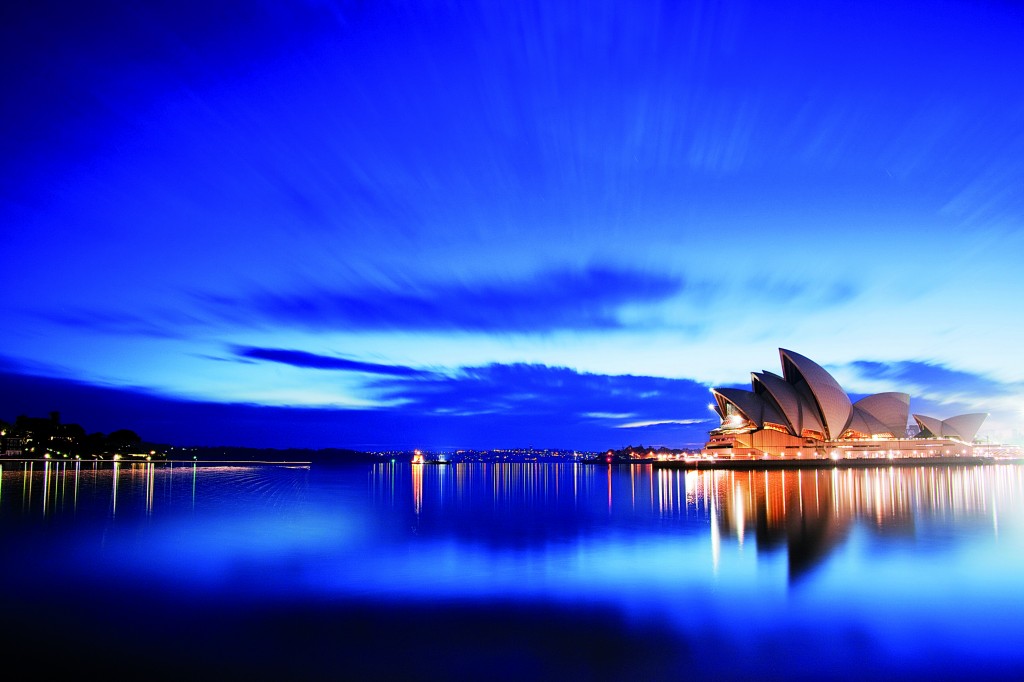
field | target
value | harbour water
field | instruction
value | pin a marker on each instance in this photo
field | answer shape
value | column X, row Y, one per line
column 512, row 571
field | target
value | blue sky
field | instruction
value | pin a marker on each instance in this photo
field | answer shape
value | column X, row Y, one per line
column 500, row 224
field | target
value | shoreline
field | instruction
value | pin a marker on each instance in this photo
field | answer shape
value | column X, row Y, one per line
column 828, row 463
column 123, row 462
column 745, row 464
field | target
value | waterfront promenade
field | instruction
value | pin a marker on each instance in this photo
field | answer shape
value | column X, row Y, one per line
column 828, row 463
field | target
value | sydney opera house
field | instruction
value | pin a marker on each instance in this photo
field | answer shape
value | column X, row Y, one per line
column 806, row 413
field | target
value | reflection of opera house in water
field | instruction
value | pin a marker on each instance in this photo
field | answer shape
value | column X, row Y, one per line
column 810, row 513
column 805, row 413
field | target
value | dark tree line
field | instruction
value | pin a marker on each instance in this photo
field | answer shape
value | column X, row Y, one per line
column 41, row 436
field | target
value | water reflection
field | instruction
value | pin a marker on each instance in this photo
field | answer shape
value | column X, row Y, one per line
column 55, row 487
column 724, row 575
column 806, row 513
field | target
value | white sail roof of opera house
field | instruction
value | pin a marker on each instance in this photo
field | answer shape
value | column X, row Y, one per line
column 800, row 413
column 891, row 409
column 749, row 404
column 830, row 398
column 807, row 401
column 964, row 426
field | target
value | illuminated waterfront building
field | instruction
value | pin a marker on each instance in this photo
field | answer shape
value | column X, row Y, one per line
column 806, row 413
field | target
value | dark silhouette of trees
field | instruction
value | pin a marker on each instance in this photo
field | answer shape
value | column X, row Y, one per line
column 48, row 437
column 123, row 441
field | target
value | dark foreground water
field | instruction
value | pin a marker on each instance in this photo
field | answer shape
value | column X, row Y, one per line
column 511, row 572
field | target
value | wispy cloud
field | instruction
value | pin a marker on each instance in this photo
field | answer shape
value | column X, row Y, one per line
column 297, row 358
column 931, row 380
column 163, row 325
column 591, row 298
column 549, row 392
column 663, row 422
column 490, row 406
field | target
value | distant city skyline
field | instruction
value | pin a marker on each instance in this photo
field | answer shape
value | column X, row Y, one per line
column 505, row 225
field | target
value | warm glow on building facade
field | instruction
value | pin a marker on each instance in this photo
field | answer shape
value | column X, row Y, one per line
column 806, row 413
